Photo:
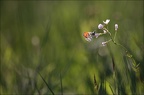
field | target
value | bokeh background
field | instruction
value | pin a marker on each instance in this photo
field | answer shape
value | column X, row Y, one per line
column 45, row 37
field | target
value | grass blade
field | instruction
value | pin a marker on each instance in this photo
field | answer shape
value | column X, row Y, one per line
column 47, row 85
column 112, row 90
column 61, row 84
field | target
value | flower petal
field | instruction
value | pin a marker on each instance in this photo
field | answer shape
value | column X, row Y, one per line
column 107, row 21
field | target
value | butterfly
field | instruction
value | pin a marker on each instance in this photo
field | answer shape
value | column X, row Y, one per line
column 89, row 35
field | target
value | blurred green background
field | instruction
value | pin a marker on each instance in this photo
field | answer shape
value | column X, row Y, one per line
column 46, row 37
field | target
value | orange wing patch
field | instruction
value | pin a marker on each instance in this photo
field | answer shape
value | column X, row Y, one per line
column 86, row 34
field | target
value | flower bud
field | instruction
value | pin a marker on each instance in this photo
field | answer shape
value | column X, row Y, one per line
column 104, row 43
column 116, row 27
column 104, row 31
column 100, row 26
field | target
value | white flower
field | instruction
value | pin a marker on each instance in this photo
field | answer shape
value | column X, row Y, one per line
column 116, row 27
column 104, row 43
column 107, row 21
column 100, row 26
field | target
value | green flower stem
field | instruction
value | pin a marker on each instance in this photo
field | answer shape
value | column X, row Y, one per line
column 101, row 34
column 128, row 54
column 115, row 35
column 110, row 36
column 113, row 40
column 108, row 40
column 135, row 65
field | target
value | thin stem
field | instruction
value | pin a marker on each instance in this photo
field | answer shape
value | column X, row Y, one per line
column 115, row 35
column 61, row 84
column 114, row 40
column 108, row 40
column 122, row 47
column 128, row 54
column 101, row 34
column 112, row 90
column 110, row 35
column 47, row 84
